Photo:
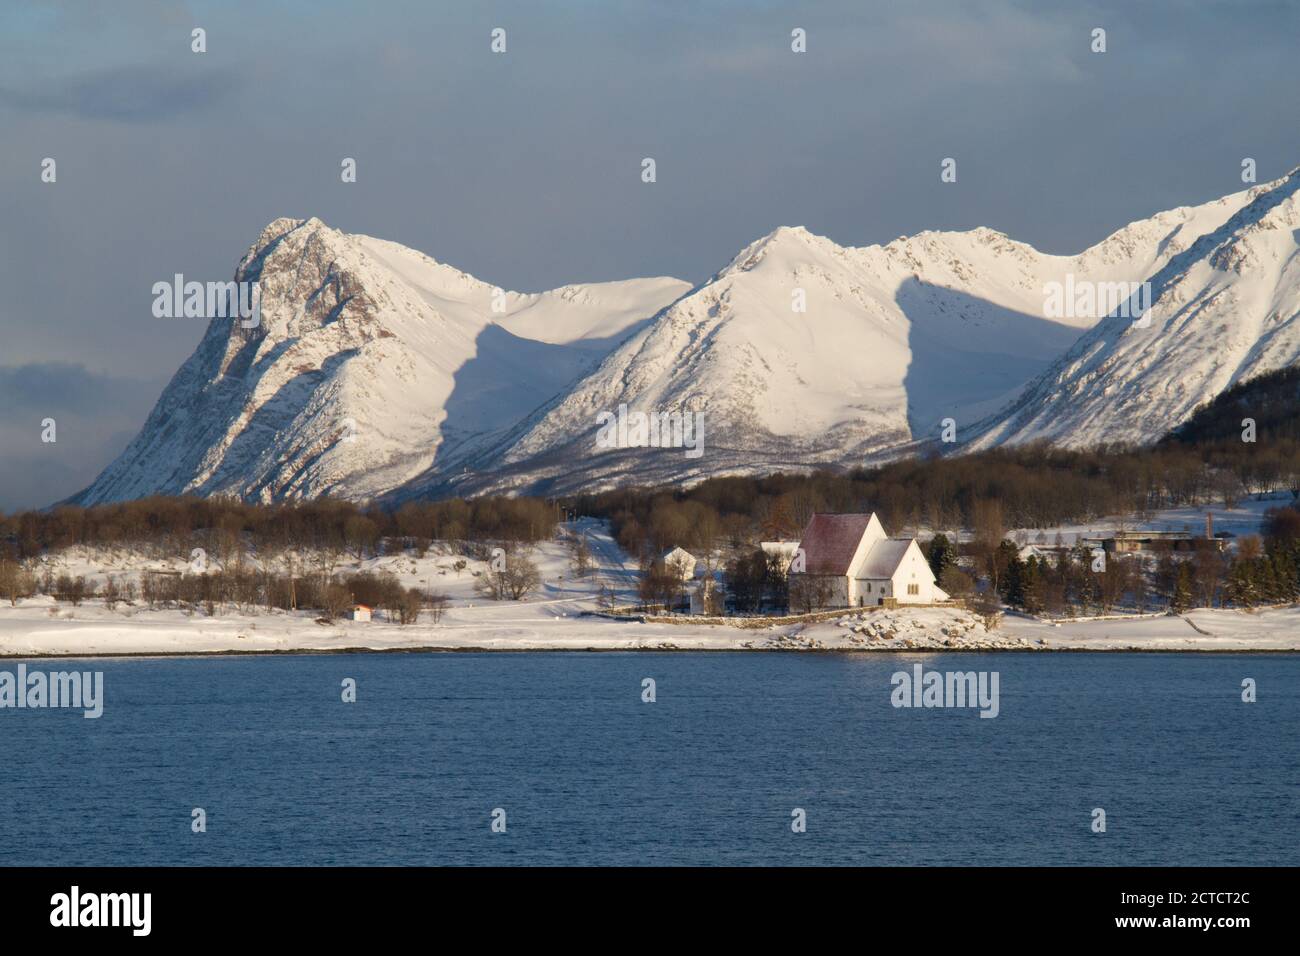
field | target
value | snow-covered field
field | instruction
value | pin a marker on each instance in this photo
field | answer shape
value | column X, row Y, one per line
column 559, row 617
column 39, row 627
column 1276, row 629
column 1245, row 517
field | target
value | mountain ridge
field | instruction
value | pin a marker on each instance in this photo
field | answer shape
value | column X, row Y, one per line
column 380, row 373
column 1122, row 382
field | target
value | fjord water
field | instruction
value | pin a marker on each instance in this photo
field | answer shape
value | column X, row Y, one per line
column 708, row 774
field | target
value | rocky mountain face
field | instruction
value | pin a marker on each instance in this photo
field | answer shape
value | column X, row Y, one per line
column 371, row 363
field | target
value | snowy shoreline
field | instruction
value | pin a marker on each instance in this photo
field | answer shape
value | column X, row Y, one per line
column 565, row 614
column 325, row 652
column 36, row 630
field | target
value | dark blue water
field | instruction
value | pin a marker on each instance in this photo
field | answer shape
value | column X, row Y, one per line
column 709, row 774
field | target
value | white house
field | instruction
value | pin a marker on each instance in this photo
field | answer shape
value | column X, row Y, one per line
column 680, row 561
column 360, row 612
column 858, row 564
column 1040, row 552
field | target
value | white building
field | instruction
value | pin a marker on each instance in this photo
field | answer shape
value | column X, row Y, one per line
column 1040, row 552
column 360, row 612
column 783, row 551
column 857, row 564
column 679, row 561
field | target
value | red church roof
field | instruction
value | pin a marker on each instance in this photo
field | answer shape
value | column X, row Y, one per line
column 830, row 541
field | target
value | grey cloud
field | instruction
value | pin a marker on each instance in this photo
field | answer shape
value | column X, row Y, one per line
column 96, row 416
column 135, row 94
column 57, row 387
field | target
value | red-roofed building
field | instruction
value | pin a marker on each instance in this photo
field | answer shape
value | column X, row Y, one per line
column 849, row 561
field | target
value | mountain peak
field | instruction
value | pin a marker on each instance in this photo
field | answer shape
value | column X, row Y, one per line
column 378, row 371
column 280, row 227
column 1224, row 307
column 789, row 232
column 371, row 363
column 788, row 240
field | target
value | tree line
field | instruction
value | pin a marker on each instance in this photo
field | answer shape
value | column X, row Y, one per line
column 1036, row 486
column 1033, row 486
column 242, row 588
column 174, row 525
column 1262, row 570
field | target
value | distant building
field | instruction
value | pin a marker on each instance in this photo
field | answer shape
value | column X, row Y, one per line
column 857, row 564
column 1039, row 552
column 783, row 551
column 360, row 612
column 679, row 561
column 1131, row 542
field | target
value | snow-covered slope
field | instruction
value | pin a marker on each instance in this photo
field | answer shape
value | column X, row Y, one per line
column 380, row 372
column 1226, row 308
column 371, row 362
column 894, row 339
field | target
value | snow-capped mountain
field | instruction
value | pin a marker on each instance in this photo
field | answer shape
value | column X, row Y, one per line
column 370, row 363
column 893, row 340
column 1225, row 309
column 378, row 372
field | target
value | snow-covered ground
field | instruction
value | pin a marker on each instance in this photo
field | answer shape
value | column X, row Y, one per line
column 1246, row 517
column 1200, row 630
column 38, row 627
column 559, row 617
column 434, row 572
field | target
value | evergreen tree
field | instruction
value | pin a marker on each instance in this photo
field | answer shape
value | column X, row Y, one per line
column 1284, row 569
column 941, row 555
column 1033, row 587
column 1242, row 590
column 1011, row 584
column 1269, row 591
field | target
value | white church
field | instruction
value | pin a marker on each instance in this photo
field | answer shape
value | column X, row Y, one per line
column 860, row 565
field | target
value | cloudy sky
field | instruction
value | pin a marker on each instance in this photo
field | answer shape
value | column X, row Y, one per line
column 524, row 168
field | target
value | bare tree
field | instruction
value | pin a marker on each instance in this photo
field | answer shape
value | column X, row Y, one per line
column 989, row 609
column 810, row 592
column 515, row 578
column 660, row 584
column 111, row 593
column 411, row 605
column 1207, row 571
column 1113, row 582
column 338, row 600
column 989, row 529
column 15, row 581
column 437, row 603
